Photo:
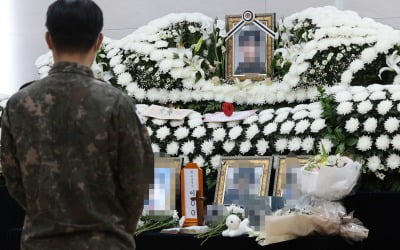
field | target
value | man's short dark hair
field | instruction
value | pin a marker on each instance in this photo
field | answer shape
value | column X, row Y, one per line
column 74, row 25
column 244, row 37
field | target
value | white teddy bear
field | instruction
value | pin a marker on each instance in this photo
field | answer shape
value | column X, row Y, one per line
column 236, row 226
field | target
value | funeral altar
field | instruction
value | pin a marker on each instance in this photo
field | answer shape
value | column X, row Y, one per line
column 273, row 154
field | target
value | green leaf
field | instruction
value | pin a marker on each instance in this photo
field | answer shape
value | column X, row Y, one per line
column 175, row 56
column 341, row 148
column 198, row 45
column 351, row 141
column 198, row 77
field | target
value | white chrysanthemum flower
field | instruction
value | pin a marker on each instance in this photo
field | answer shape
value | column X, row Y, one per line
column 262, row 146
column 382, row 142
column 395, row 96
column 393, row 161
column 162, row 132
column 228, row 146
column 235, row 132
column 172, row 148
column 360, row 96
column 119, row 69
column 195, row 115
column 364, row 143
column 364, row 107
column 207, row 147
column 199, row 160
column 265, row 117
column 352, row 125
column 270, row 128
column 343, row 96
column 315, row 113
column 219, row 134
column 396, row 142
column 300, row 115
column 299, row 108
column 281, row 145
column 195, row 122
column 115, row 60
column 232, row 124
column 327, row 145
column 176, row 123
column 155, row 147
column 344, row 108
column 308, row 144
column 384, row 107
column 112, row 53
column 181, row 133
column 187, row 147
column 216, row 161
column 245, row 147
column 378, row 95
column 214, row 124
column 391, row 124
column 317, row 125
column 124, row 79
column 140, row 94
column 158, row 122
column 287, row 127
column 156, row 55
column 199, row 132
column 374, row 163
column 252, row 131
column 149, row 131
column 250, row 120
column 375, row 87
column 281, row 117
column 161, row 44
column 302, row 126
column 294, row 144
column 370, row 125
column 346, row 77
column 283, row 110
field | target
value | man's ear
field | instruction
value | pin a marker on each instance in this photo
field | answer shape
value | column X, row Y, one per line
column 49, row 41
column 99, row 41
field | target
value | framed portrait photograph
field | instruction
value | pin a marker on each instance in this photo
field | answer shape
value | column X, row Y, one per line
column 250, row 48
column 240, row 178
column 163, row 191
column 287, row 173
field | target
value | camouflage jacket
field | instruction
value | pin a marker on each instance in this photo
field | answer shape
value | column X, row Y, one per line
column 76, row 157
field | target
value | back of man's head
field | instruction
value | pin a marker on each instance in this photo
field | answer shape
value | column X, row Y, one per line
column 74, row 25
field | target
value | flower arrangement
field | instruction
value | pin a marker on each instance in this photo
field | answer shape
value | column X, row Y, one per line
column 328, row 46
column 218, row 227
column 157, row 221
column 315, row 163
column 179, row 59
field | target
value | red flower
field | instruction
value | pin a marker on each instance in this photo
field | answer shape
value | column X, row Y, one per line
column 228, row 108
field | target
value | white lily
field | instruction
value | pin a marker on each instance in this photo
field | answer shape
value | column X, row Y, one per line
column 392, row 63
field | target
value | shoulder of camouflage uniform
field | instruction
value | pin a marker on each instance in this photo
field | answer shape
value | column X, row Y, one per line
column 26, row 85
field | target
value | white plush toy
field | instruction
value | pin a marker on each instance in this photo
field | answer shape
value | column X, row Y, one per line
column 236, row 226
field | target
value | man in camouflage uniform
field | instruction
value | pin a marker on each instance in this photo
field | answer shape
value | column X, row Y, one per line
column 74, row 153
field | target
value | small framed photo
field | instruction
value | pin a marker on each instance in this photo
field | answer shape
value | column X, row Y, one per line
column 287, row 174
column 164, row 190
column 250, row 48
column 240, row 178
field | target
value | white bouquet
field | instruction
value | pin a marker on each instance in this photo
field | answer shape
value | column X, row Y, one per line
column 330, row 177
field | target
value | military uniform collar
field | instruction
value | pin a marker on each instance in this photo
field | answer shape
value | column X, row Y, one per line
column 70, row 67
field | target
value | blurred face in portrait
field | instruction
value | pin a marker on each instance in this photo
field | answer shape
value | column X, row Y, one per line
column 250, row 51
